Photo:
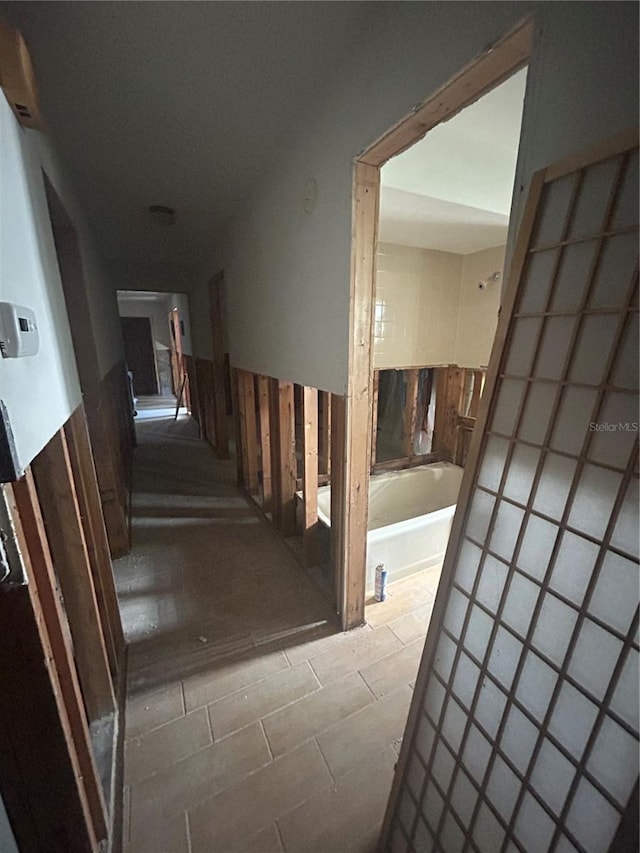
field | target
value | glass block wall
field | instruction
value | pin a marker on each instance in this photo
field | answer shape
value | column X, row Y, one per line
column 524, row 728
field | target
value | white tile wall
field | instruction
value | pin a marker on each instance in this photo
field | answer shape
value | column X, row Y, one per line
column 429, row 309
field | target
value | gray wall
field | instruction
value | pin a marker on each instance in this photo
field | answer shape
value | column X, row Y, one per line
column 287, row 272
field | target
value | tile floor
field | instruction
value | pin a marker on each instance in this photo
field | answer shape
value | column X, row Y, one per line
column 252, row 722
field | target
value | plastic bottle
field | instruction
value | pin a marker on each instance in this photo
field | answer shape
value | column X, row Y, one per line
column 381, row 583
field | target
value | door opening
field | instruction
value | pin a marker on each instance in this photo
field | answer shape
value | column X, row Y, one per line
column 368, row 317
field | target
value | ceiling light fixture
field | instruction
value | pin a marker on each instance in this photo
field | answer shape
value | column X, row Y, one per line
column 161, row 215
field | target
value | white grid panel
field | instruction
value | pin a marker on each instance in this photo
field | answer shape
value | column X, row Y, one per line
column 527, row 729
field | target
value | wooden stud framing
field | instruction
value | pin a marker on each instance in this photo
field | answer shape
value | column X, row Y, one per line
column 352, row 537
column 410, row 409
column 374, row 416
column 241, row 428
column 79, row 448
column 217, row 317
column 498, row 62
column 250, row 435
column 65, row 533
column 31, row 536
column 324, row 449
column 265, row 441
column 310, row 474
column 338, row 406
column 287, row 473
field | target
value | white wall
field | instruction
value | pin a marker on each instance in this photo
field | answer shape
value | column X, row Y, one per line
column 41, row 391
column 156, row 311
column 478, row 309
column 287, row 272
column 7, row 839
column 429, row 309
column 98, row 280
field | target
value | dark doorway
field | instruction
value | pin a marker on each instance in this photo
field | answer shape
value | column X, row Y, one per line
column 138, row 348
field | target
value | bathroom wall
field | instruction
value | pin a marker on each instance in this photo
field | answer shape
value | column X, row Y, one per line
column 429, row 309
column 478, row 309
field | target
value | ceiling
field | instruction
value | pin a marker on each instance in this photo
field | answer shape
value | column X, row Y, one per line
column 451, row 191
column 178, row 104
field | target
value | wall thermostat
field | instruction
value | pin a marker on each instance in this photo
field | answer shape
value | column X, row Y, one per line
column 18, row 331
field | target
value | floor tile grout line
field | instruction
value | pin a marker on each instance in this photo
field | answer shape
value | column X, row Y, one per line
column 213, row 740
column 187, row 826
column 279, row 832
column 266, row 739
column 326, row 763
column 367, row 685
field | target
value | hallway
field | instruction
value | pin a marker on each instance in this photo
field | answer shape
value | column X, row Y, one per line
column 252, row 723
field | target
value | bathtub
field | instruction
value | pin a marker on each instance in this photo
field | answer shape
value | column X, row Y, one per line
column 410, row 515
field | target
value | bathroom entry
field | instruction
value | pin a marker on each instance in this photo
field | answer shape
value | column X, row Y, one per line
column 428, row 293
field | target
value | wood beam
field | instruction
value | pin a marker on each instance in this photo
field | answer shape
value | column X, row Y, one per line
column 242, row 460
column 410, row 409
column 275, row 456
column 217, row 318
column 324, row 450
column 288, row 465
column 248, row 409
column 84, row 475
column 358, row 406
column 374, row 416
column 58, row 500
column 265, row 441
column 310, row 474
column 338, row 406
column 34, row 548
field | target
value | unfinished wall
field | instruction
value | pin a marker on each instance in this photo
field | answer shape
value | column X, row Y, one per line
column 287, row 271
column 40, row 391
column 429, row 309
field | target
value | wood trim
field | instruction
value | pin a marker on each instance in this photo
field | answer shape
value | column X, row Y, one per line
column 310, row 474
column 358, row 408
column 18, row 79
column 65, row 533
column 30, row 534
column 617, row 144
column 265, row 442
column 84, row 476
column 499, row 61
column 111, row 428
column 217, row 320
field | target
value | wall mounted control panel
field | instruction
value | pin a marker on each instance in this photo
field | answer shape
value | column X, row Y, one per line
column 18, row 331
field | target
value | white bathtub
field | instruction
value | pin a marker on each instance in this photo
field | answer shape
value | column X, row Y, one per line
column 410, row 515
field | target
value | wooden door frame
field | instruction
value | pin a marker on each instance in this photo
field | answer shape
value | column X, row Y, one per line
column 495, row 65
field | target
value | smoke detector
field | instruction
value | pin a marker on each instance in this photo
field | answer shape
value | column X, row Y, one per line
column 161, row 215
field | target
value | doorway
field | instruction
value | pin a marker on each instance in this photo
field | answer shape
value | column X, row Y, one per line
column 496, row 65
column 138, row 350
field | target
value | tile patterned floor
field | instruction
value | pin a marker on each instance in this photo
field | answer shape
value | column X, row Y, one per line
column 252, row 722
